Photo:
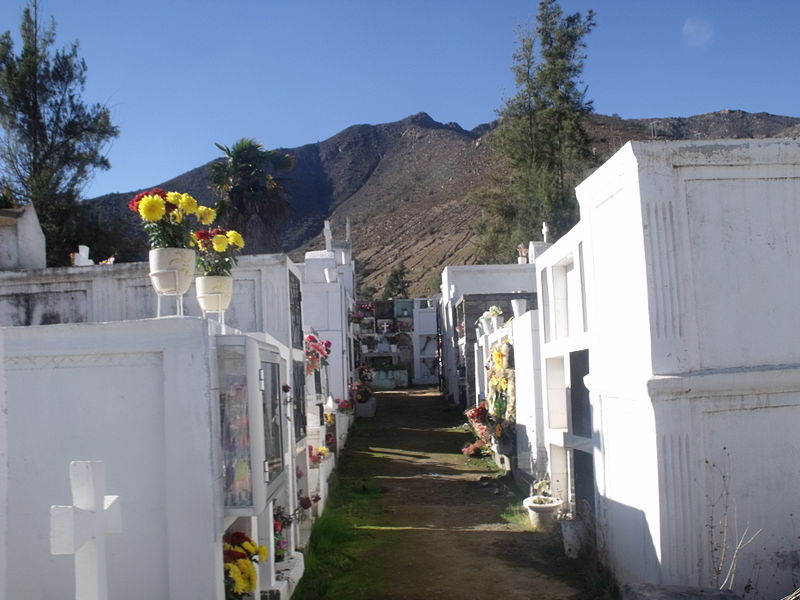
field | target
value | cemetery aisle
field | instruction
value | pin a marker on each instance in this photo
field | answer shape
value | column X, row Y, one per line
column 427, row 522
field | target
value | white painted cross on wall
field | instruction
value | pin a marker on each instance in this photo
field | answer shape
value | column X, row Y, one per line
column 80, row 529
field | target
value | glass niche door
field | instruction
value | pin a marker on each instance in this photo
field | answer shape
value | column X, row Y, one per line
column 248, row 389
column 274, row 419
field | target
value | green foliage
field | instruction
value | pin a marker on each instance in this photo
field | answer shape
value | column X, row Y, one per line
column 397, row 284
column 51, row 141
column 252, row 200
column 540, row 136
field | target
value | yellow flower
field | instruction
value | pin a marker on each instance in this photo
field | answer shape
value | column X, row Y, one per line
column 176, row 216
column 239, row 582
column 262, row 553
column 497, row 356
column 220, row 243
column 174, row 198
column 187, row 204
column 249, row 548
column 151, row 208
column 235, row 238
column 248, row 572
column 206, row 215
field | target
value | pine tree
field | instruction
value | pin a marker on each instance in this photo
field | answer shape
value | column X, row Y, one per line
column 541, row 137
column 51, row 141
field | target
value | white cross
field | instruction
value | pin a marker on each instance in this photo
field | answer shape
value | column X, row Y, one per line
column 80, row 529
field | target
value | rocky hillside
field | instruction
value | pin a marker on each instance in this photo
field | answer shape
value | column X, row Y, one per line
column 403, row 184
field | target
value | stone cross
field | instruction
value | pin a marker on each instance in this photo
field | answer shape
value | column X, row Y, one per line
column 80, row 529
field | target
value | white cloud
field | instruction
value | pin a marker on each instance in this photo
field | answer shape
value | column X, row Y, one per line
column 697, row 32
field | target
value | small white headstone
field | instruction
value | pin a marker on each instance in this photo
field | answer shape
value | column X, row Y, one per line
column 80, row 529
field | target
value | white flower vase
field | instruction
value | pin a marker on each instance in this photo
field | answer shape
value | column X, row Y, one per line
column 171, row 270
column 214, row 292
column 519, row 306
column 487, row 325
column 497, row 323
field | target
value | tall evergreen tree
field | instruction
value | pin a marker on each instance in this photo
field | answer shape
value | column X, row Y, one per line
column 540, row 136
column 397, row 284
column 51, row 141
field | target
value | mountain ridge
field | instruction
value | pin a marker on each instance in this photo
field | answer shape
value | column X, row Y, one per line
column 402, row 185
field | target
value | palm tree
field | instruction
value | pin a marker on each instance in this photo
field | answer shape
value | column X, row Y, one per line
column 251, row 199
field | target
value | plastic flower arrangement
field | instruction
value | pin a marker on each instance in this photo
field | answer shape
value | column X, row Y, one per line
column 165, row 217
column 217, row 250
column 280, row 522
column 495, row 311
column 479, row 421
column 344, row 406
column 360, row 392
column 317, row 455
column 239, row 555
column 317, row 353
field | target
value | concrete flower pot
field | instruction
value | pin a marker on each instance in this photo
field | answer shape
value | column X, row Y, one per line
column 214, row 292
column 171, row 270
column 542, row 510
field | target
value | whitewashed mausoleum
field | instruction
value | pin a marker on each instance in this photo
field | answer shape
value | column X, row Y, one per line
column 669, row 373
column 203, row 425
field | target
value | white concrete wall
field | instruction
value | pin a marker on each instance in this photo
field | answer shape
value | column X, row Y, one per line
column 325, row 310
column 119, row 292
column 475, row 279
column 327, row 285
column 424, row 343
column 3, row 472
column 138, row 397
column 692, row 332
column 22, row 243
column 530, row 406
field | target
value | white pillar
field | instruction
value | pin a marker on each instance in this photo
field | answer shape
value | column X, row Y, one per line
column 3, row 473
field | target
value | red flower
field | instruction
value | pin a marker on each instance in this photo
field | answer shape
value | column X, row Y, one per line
column 230, row 556
column 237, row 538
column 277, row 526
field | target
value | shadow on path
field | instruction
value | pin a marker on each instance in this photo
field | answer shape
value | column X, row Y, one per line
column 428, row 522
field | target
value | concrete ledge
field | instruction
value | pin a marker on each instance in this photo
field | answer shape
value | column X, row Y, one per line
column 646, row 591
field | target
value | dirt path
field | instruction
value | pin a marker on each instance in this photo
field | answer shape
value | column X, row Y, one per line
column 428, row 526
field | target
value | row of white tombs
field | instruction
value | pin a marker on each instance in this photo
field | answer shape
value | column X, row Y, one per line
column 177, row 457
column 654, row 379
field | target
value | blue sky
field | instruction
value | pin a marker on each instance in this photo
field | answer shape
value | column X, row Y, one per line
column 181, row 75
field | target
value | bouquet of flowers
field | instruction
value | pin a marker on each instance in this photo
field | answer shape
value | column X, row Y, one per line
column 344, row 406
column 280, row 521
column 365, row 374
column 317, row 353
column 317, row 455
column 239, row 555
column 217, row 250
column 360, row 392
column 165, row 217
